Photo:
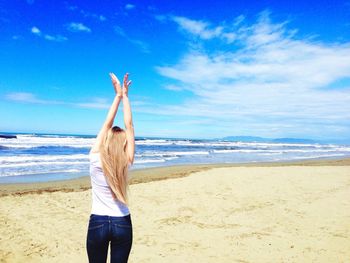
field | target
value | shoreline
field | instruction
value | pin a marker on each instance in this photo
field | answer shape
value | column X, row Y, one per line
column 146, row 175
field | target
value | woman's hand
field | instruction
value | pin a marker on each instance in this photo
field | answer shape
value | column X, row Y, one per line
column 116, row 85
column 126, row 84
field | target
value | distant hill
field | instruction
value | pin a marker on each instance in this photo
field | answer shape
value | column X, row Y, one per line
column 261, row 139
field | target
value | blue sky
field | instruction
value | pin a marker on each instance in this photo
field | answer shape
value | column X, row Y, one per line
column 199, row 69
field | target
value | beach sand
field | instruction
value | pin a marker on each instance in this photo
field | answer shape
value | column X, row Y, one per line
column 272, row 212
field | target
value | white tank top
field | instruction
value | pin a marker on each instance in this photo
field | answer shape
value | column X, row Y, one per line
column 102, row 199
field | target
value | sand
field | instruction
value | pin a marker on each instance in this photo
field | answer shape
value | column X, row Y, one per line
column 291, row 212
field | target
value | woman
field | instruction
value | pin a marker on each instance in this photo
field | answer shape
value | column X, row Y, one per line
column 110, row 156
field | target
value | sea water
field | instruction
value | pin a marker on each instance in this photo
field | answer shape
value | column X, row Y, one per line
column 46, row 157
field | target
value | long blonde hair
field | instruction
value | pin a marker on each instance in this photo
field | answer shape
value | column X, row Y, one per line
column 114, row 162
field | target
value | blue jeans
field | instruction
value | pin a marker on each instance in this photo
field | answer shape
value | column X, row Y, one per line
column 104, row 229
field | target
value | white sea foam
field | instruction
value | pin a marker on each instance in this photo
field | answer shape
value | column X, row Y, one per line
column 269, row 153
column 27, row 158
column 171, row 158
column 237, row 144
column 154, row 142
column 29, row 172
column 171, row 153
column 237, row 151
column 29, row 141
column 149, row 161
column 26, row 164
column 40, row 158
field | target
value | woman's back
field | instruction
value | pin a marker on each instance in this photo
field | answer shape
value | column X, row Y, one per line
column 102, row 198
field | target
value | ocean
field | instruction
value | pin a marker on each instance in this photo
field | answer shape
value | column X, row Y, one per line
column 47, row 157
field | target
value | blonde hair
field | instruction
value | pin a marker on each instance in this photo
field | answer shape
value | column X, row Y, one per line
column 114, row 162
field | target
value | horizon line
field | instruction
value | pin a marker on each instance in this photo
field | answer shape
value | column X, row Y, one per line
column 327, row 140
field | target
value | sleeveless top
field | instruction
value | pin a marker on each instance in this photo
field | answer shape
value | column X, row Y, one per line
column 102, row 199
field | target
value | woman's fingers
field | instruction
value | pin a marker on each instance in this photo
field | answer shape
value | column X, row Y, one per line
column 116, row 84
column 114, row 78
column 125, row 80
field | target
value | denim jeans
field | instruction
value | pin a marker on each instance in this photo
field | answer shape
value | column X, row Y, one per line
column 103, row 230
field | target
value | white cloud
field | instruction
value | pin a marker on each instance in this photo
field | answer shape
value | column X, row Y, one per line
column 85, row 13
column 129, row 6
column 238, row 20
column 35, row 30
column 203, row 29
column 96, row 103
column 161, row 18
column 119, row 31
column 270, row 83
column 57, row 38
column 26, row 97
column 71, row 7
column 199, row 28
column 78, row 27
column 142, row 46
column 173, row 87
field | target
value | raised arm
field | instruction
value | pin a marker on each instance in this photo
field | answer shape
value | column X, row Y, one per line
column 129, row 127
column 111, row 113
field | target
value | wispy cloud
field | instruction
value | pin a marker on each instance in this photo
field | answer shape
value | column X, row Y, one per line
column 16, row 37
column 93, row 15
column 141, row 45
column 26, row 97
column 93, row 103
column 85, row 13
column 30, row 98
column 78, row 27
column 71, row 7
column 96, row 103
column 58, row 38
column 203, row 29
column 129, row 6
column 269, row 81
column 238, row 20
